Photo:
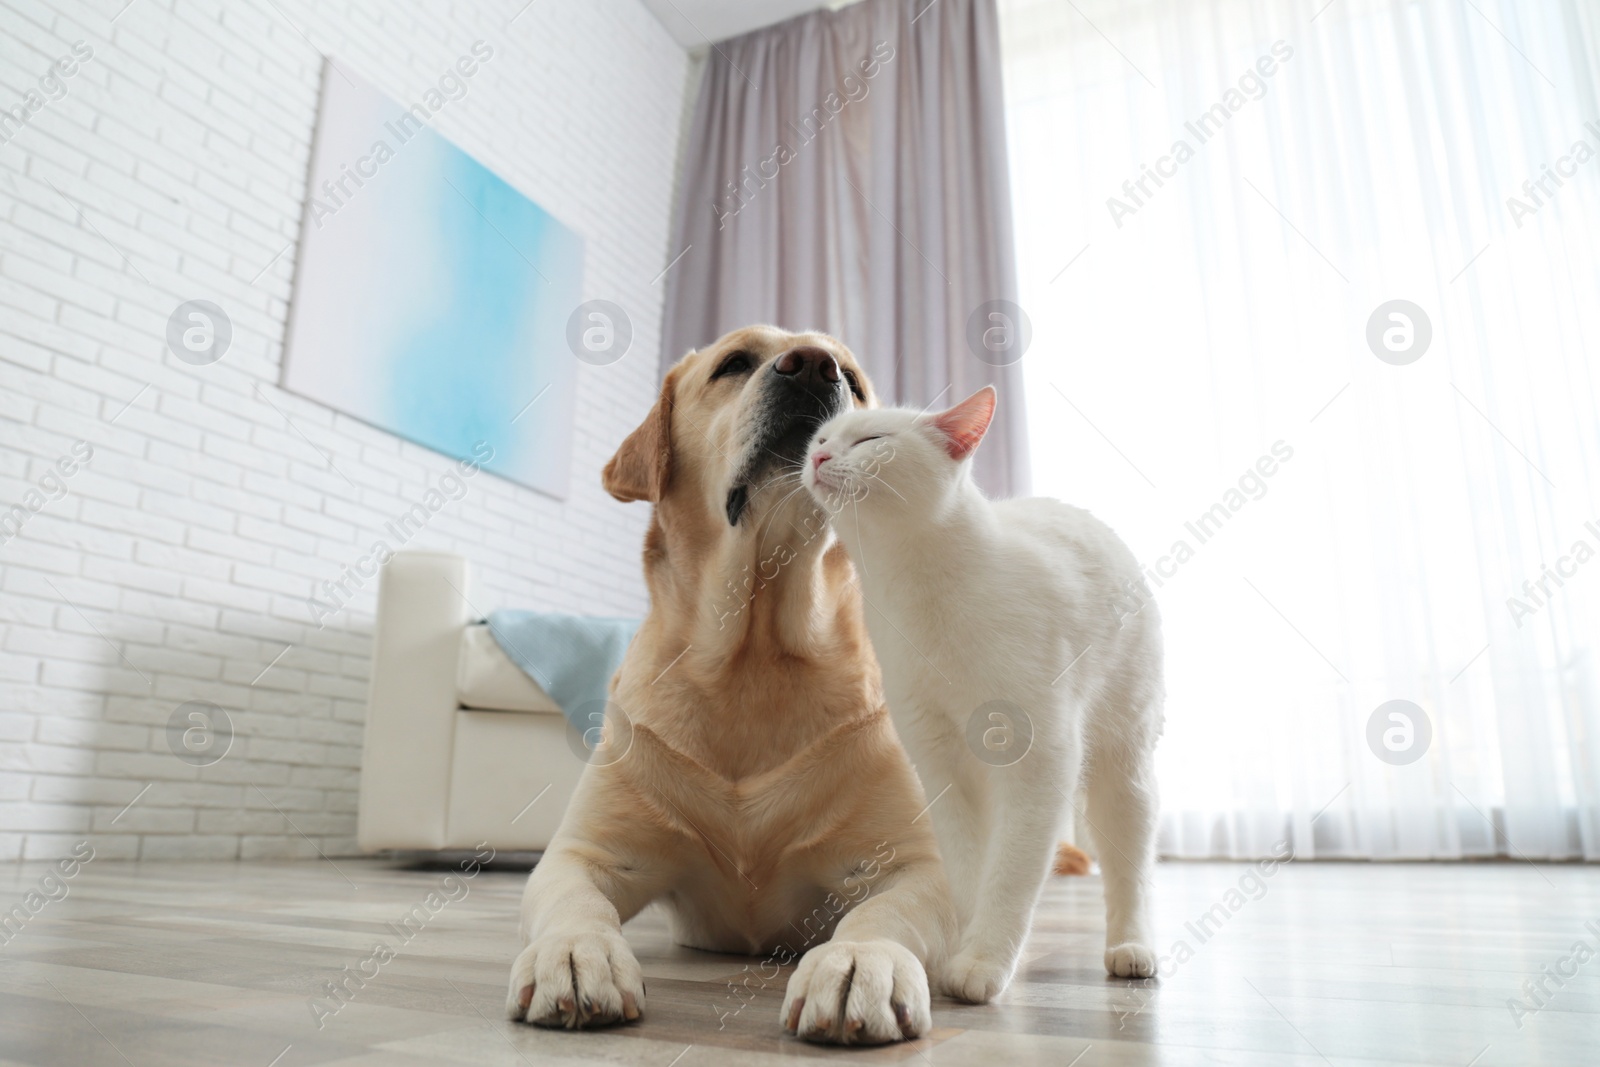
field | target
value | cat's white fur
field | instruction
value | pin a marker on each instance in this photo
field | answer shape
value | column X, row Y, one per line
column 972, row 601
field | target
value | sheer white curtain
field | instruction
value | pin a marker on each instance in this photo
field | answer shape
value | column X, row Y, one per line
column 1201, row 348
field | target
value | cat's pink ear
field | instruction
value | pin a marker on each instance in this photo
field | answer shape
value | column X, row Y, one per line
column 964, row 425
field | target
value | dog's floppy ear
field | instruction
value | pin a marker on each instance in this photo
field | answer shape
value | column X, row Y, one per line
column 642, row 464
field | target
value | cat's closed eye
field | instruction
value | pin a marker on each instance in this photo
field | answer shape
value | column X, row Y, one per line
column 864, row 440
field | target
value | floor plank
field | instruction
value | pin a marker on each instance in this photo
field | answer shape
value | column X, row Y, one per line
column 1328, row 964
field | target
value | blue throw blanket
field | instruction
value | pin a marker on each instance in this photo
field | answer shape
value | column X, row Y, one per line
column 572, row 657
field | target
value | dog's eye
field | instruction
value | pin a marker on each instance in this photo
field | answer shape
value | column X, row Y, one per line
column 855, row 385
column 735, row 363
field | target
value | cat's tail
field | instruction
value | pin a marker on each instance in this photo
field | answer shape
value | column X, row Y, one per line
column 1071, row 860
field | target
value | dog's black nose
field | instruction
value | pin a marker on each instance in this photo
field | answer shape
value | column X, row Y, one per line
column 808, row 365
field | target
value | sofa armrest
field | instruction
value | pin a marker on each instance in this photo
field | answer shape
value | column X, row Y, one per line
column 411, row 705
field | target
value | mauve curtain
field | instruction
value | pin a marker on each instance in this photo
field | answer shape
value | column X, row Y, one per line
column 846, row 171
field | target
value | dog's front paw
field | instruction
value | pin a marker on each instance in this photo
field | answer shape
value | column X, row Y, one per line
column 1130, row 960
column 974, row 978
column 858, row 993
column 575, row 981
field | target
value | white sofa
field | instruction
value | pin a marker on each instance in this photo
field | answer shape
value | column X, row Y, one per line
column 459, row 741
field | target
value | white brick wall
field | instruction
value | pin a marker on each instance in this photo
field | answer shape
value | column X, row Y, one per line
column 177, row 564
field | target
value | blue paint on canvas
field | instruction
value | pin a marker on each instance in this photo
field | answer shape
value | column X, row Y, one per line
column 432, row 298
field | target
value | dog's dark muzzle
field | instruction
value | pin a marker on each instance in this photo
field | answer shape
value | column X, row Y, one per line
column 804, row 388
column 809, row 367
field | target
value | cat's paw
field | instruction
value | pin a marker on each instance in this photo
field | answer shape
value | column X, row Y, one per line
column 974, row 978
column 576, row 982
column 857, row 993
column 1130, row 960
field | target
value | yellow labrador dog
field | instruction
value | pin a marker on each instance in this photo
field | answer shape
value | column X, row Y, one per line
column 749, row 778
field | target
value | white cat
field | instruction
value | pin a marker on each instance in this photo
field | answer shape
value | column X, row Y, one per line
column 1017, row 648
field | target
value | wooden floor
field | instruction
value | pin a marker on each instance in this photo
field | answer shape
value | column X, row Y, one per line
column 176, row 964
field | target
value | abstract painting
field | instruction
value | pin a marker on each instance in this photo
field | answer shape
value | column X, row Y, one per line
column 431, row 298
